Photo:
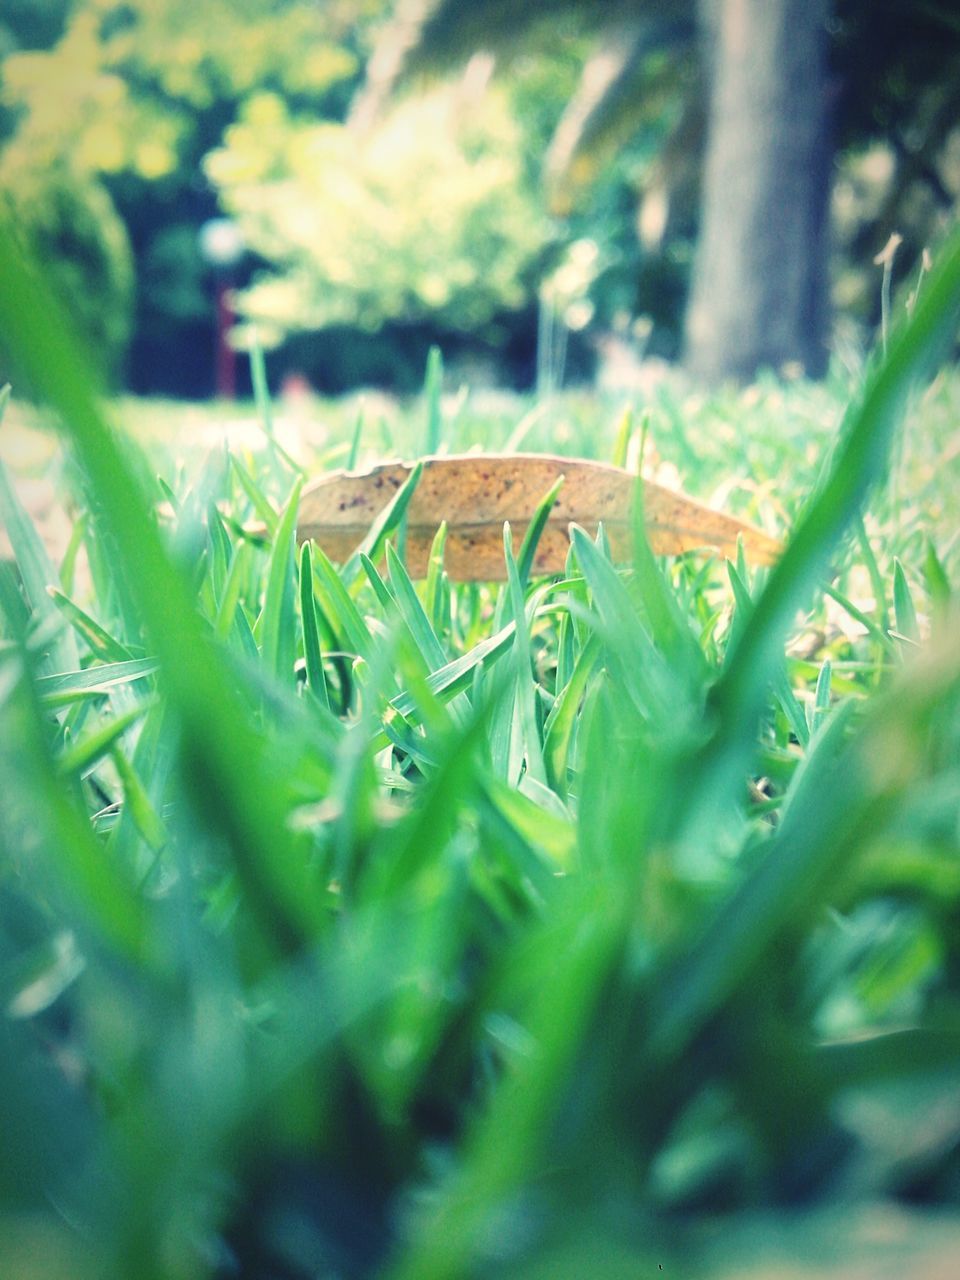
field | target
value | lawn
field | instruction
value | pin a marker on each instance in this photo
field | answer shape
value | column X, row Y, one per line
column 592, row 925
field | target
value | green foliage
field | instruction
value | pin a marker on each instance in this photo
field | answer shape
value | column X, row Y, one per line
column 69, row 223
column 109, row 127
column 350, row 926
column 428, row 217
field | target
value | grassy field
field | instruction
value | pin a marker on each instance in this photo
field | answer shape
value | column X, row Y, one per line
column 598, row 925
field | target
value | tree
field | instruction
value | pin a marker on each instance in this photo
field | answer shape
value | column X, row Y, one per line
column 109, row 126
column 768, row 70
column 759, row 295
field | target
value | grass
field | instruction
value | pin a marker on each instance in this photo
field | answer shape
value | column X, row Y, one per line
column 353, row 926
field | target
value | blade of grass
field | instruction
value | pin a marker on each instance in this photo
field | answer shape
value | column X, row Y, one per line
column 903, row 607
column 106, row 900
column 278, row 606
column 316, row 681
column 36, row 570
column 531, row 539
column 386, row 522
column 101, row 644
column 432, row 386
column 526, row 679
column 83, row 756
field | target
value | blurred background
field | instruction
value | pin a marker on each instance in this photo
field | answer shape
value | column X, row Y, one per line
column 551, row 192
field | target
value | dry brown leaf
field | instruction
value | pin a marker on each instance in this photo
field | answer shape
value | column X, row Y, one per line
column 476, row 493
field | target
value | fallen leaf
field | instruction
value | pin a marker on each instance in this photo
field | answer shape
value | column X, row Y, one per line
column 475, row 494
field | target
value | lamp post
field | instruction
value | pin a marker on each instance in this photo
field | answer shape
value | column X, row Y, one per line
column 221, row 247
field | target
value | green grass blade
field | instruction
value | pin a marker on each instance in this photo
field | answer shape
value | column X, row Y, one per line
column 432, row 387
column 458, row 675
column 354, row 455
column 278, row 626
column 526, row 679
column 338, row 606
column 316, row 681
column 93, row 680
column 531, row 539
column 101, row 644
column 436, row 593
column 83, row 756
column 36, row 570
column 136, row 803
column 258, row 499
column 221, row 754
column 904, row 609
column 104, row 897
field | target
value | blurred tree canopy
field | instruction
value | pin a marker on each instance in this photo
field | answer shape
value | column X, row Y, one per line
column 119, row 112
column 428, row 218
column 378, row 222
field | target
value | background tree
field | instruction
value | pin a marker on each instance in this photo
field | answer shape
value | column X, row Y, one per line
column 118, row 112
column 124, row 126
column 784, row 85
column 759, row 295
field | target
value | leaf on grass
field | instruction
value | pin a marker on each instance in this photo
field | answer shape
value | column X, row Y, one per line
column 476, row 494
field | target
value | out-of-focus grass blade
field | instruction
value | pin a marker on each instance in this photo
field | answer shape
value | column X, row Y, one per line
column 316, row 681
column 436, row 590
column 575, row 949
column 938, row 583
column 233, row 779
column 781, row 681
column 258, row 499
column 903, row 606
column 531, row 539
column 261, row 393
column 544, row 830
column 12, row 604
column 93, row 680
column 560, row 724
column 68, row 565
column 36, row 571
column 82, row 756
column 136, row 803
column 526, row 680
column 864, row 619
column 104, row 897
column 432, row 387
column 668, row 627
column 101, row 643
column 354, row 454
column 831, row 810
column 621, row 441
column 278, row 607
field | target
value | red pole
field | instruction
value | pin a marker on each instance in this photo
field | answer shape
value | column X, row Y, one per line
column 226, row 356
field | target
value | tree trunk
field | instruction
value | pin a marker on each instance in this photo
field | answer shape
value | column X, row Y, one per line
column 759, row 292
